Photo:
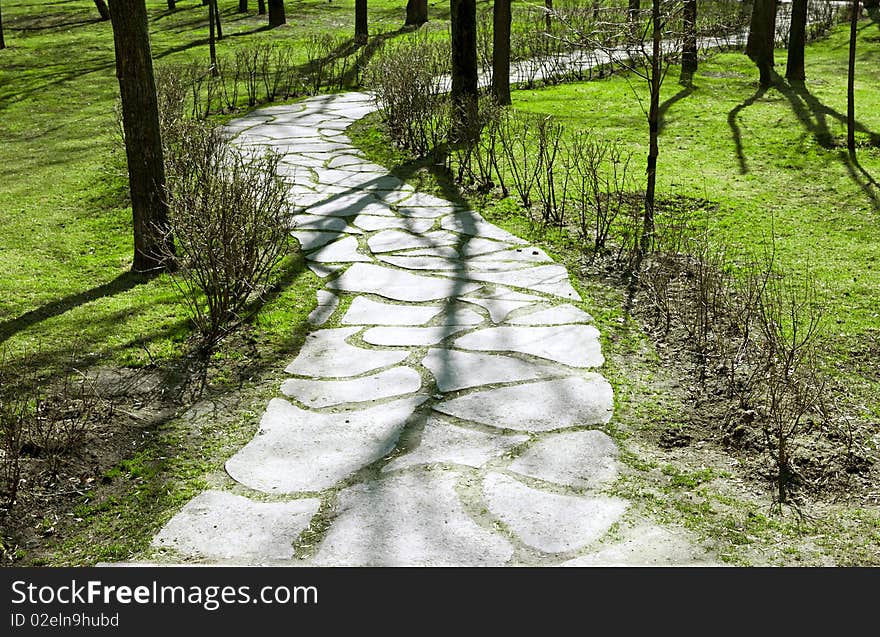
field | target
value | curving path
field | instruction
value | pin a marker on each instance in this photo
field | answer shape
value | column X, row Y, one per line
column 448, row 407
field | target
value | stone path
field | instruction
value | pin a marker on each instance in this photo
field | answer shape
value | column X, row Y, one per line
column 448, row 407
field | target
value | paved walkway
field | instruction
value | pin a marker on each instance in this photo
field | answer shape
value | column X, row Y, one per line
column 448, row 407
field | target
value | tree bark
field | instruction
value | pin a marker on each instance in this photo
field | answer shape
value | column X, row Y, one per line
column 463, row 15
column 242, row 6
column 361, row 33
column 634, row 7
column 548, row 18
column 143, row 142
column 212, row 47
column 689, row 43
column 797, row 37
column 2, row 39
column 261, row 7
column 416, row 12
column 172, row 5
column 501, row 17
column 762, row 36
column 103, row 9
column 217, row 20
column 276, row 13
column 647, row 238
column 850, row 83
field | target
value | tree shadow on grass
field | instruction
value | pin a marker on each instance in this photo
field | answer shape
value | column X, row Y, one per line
column 121, row 283
column 686, row 91
column 737, row 133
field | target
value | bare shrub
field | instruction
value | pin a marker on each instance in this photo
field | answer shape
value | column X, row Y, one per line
column 230, row 218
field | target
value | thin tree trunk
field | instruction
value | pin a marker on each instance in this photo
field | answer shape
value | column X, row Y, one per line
column 2, row 39
column 261, row 7
column 501, row 17
column 103, row 9
column 463, row 15
column 548, row 18
column 242, row 6
column 217, row 20
column 361, row 33
column 647, row 239
column 276, row 13
column 634, row 7
column 797, row 37
column 762, row 36
column 689, row 43
column 212, row 47
column 850, row 83
column 143, row 141
column 416, row 12
column 172, row 5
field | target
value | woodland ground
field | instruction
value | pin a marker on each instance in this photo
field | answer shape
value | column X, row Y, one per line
column 65, row 292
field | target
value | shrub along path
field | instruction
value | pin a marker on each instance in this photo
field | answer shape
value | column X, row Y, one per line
column 448, row 407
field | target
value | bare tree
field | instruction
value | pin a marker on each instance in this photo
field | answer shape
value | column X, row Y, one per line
column 689, row 42
column 762, row 39
column 797, row 37
column 242, row 6
column 276, row 13
column 217, row 20
column 501, row 18
column 2, row 39
column 261, row 7
column 212, row 46
column 143, row 141
column 361, row 32
column 464, row 96
column 172, row 5
column 103, row 9
column 850, row 83
column 548, row 15
column 416, row 12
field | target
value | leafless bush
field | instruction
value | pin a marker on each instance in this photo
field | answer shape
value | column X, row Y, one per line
column 230, row 219
column 408, row 80
column 16, row 408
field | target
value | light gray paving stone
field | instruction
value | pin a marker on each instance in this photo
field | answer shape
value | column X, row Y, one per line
column 537, row 406
column 527, row 254
column 395, row 196
column 350, row 205
column 411, row 519
column 431, row 212
column 469, row 222
column 327, row 302
column 341, row 251
column 647, row 545
column 551, row 279
column 557, row 315
column 575, row 345
column 392, row 240
column 501, row 301
column 422, row 199
column 411, row 336
column 428, row 263
column 326, row 393
column 323, row 270
column 579, row 459
column 453, row 370
column 442, row 442
column 311, row 239
column 325, row 354
column 304, row 451
column 318, row 222
column 445, row 252
column 546, row 521
column 223, row 526
column 371, row 223
column 397, row 284
column 364, row 311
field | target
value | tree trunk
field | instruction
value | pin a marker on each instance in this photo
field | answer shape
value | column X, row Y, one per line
column 172, row 5
column 762, row 36
column 212, row 47
column 276, row 13
column 689, row 43
column 850, row 83
column 261, row 7
column 361, row 33
column 463, row 16
column 103, row 9
column 2, row 39
column 143, row 142
column 416, row 12
column 217, row 20
column 797, row 37
column 548, row 18
column 242, row 6
column 647, row 239
column 634, row 7
column 501, row 16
